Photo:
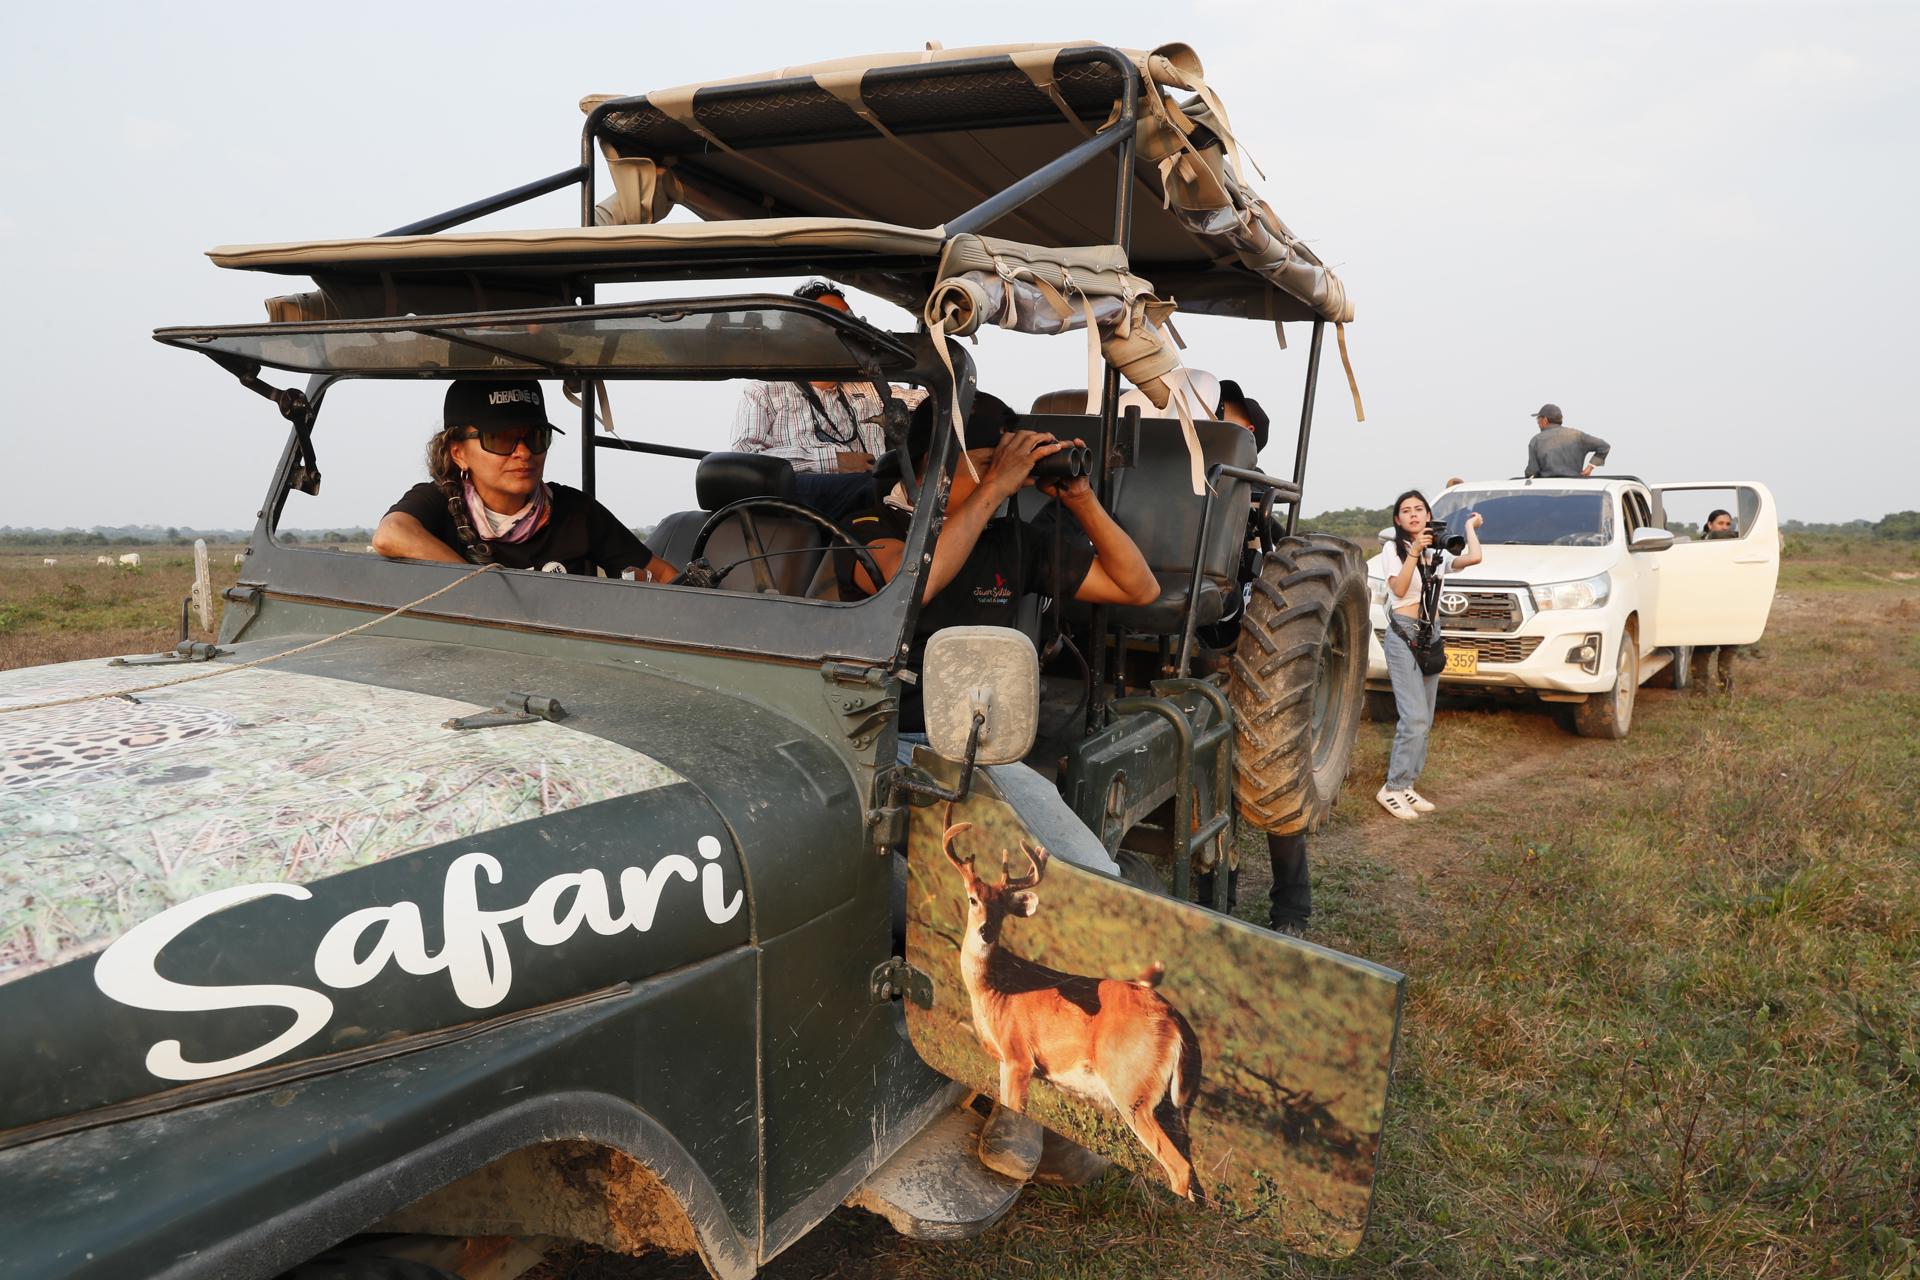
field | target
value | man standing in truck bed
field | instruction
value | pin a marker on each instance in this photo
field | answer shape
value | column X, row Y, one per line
column 1559, row 450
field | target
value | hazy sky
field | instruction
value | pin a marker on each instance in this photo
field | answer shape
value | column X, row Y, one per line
column 1688, row 224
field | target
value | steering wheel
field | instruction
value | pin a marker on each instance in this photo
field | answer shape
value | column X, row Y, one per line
column 786, row 508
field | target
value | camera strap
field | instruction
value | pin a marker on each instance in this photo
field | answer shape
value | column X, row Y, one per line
column 823, row 428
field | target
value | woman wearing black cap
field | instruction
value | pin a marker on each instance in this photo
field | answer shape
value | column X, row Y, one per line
column 487, row 502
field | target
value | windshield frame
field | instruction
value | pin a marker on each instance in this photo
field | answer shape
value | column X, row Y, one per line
column 871, row 352
column 788, row 628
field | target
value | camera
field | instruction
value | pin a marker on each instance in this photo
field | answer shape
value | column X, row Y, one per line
column 1451, row 543
column 1068, row 464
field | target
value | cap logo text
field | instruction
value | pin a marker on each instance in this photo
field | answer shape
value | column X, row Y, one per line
column 517, row 395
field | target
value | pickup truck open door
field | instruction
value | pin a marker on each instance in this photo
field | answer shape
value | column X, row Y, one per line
column 1713, row 591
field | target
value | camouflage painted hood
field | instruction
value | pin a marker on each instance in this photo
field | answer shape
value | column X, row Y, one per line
column 114, row 810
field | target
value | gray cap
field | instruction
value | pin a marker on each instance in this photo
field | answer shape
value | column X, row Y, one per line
column 1551, row 412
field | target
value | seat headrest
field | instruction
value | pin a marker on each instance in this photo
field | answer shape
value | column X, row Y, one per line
column 724, row 478
column 1072, row 400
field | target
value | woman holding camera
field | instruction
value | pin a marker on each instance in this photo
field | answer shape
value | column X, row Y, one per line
column 1410, row 560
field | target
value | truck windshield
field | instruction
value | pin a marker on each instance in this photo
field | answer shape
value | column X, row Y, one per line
column 1532, row 517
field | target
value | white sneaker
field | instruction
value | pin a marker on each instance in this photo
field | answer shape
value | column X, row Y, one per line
column 1420, row 803
column 1396, row 803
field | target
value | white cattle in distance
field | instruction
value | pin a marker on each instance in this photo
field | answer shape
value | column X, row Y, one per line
column 103, row 559
column 239, row 558
column 49, row 562
column 131, row 560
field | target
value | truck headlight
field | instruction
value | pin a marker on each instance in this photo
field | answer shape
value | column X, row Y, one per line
column 1377, row 591
column 1587, row 593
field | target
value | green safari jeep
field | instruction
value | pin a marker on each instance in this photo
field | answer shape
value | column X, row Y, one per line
column 437, row 903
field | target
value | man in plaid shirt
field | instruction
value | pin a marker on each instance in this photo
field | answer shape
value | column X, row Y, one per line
column 829, row 431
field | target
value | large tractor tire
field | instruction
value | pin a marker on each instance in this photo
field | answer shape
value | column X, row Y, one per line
column 1299, row 675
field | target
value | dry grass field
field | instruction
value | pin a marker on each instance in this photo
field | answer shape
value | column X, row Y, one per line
column 1665, row 993
column 79, row 609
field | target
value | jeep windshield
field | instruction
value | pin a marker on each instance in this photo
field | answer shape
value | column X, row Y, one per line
column 656, row 388
column 1531, row 517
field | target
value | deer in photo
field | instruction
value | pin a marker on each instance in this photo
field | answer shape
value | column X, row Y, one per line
column 1108, row 1039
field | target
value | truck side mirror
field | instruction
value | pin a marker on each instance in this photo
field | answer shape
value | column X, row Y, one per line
column 989, row 672
column 1650, row 539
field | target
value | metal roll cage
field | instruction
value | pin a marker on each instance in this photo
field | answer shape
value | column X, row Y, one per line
column 1117, row 137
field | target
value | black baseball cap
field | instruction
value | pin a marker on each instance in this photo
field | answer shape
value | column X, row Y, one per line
column 1551, row 412
column 1230, row 393
column 472, row 402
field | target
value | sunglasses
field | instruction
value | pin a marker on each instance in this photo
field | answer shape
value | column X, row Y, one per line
column 502, row 441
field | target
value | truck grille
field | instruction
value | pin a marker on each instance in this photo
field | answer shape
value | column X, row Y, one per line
column 1485, row 611
column 1492, row 649
column 1498, row 648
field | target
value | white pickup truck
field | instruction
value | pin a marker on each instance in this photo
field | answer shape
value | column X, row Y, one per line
column 1591, row 586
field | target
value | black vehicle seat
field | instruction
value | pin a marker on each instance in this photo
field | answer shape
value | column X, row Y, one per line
column 1154, row 502
column 725, row 478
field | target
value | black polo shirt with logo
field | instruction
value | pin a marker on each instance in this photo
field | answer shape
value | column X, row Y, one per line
column 579, row 534
column 1012, row 558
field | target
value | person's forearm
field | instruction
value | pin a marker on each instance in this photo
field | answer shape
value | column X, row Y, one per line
column 1117, row 553
column 957, row 539
column 1471, row 556
column 401, row 537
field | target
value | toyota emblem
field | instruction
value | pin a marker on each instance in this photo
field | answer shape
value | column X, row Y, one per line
column 1453, row 604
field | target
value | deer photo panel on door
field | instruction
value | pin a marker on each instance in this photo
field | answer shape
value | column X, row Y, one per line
column 1237, row 1067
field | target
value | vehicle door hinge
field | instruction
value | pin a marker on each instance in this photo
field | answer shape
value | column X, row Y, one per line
column 897, row 980
column 515, row 708
column 243, row 601
column 861, row 698
column 185, row 651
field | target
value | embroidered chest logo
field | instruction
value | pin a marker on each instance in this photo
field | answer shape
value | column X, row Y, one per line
column 998, row 593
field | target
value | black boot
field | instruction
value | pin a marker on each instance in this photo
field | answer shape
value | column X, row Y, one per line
column 1292, row 893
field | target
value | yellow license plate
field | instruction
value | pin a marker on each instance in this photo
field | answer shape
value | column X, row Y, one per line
column 1462, row 662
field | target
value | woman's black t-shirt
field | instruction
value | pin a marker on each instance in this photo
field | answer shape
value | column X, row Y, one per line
column 579, row 534
column 1012, row 558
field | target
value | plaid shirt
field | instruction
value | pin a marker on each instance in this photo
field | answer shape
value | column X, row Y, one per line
column 778, row 418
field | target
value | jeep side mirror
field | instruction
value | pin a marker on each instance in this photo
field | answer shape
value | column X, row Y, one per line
column 988, row 672
column 1650, row 539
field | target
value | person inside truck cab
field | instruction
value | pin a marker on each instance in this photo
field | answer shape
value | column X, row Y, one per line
column 1720, row 525
column 984, row 562
column 487, row 503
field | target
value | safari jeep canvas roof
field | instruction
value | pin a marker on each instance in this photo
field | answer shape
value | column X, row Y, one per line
column 864, row 167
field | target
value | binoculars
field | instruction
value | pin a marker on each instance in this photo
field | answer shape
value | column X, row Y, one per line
column 1068, row 464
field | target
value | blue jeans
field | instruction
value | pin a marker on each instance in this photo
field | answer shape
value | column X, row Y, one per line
column 837, row 495
column 1039, row 805
column 1414, row 696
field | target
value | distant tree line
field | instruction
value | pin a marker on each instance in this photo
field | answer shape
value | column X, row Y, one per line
column 154, row 536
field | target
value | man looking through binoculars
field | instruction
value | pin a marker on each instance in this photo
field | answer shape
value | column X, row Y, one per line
column 984, row 562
